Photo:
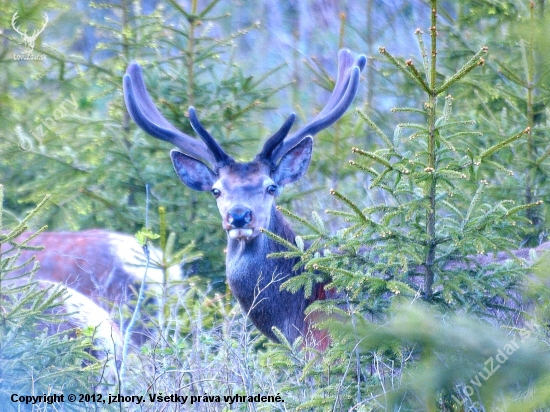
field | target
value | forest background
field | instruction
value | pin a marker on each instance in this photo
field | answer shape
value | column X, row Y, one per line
column 245, row 65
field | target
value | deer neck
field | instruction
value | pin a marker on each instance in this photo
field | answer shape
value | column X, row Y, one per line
column 255, row 281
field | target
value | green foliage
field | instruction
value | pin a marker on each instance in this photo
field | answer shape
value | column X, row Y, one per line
column 38, row 353
column 454, row 362
column 427, row 240
column 510, row 94
column 458, row 168
column 436, row 217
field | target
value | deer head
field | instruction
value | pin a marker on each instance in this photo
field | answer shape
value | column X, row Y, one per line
column 244, row 192
column 28, row 40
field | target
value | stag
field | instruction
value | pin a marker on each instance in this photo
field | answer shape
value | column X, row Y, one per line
column 28, row 40
column 245, row 194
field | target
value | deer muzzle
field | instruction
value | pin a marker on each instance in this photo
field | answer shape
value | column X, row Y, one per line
column 239, row 221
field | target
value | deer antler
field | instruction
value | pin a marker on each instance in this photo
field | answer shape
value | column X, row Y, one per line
column 221, row 157
column 13, row 20
column 143, row 111
column 271, row 144
column 344, row 92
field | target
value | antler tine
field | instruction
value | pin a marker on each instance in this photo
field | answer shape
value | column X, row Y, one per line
column 37, row 32
column 275, row 140
column 13, row 20
column 345, row 63
column 221, row 157
column 143, row 111
column 342, row 96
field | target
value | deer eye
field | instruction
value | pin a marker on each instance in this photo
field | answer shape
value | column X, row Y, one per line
column 272, row 190
column 216, row 193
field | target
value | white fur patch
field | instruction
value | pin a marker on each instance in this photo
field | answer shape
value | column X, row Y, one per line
column 132, row 258
column 86, row 313
column 83, row 313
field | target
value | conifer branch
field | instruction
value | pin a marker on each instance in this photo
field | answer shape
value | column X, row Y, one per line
column 331, row 270
column 409, row 110
column 350, row 204
column 511, row 75
column 278, row 239
column 416, row 74
column 471, row 64
column 431, row 234
column 208, row 7
column 463, row 134
column 446, row 142
column 285, row 255
column 424, row 52
column 375, row 127
column 379, row 178
column 414, row 126
column 348, row 216
column 447, row 111
column 406, row 69
column 301, row 220
column 504, row 143
column 361, row 166
column 517, row 209
column 543, row 157
column 373, row 156
column 378, row 159
column 33, row 212
column 473, row 204
column 397, row 134
column 433, row 47
column 457, row 123
column 499, row 166
column 452, row 174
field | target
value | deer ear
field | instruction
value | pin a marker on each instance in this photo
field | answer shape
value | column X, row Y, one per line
column 194, row 173
column 294, row 163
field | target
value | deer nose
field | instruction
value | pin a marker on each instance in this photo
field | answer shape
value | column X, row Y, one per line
column 239, row 217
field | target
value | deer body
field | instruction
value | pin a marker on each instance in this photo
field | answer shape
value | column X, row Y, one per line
column 87, row 262
column 245, row 194
column 101, row 269
column 102, row 265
